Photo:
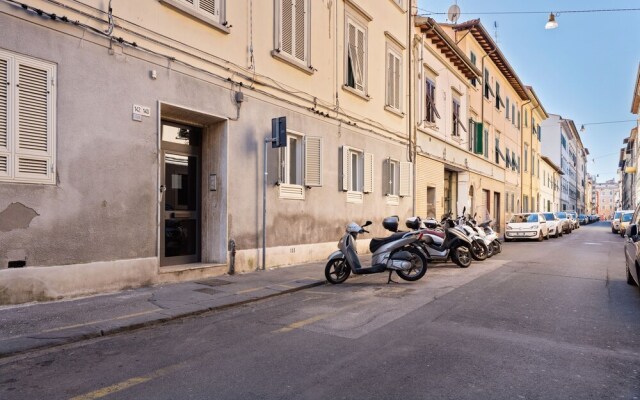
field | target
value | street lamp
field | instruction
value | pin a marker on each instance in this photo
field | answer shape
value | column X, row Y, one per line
column 551, row 24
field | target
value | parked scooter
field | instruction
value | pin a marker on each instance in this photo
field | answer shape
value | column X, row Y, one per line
column 398, row 252
column 479, row 249
column 487, row 234
column 444, row 244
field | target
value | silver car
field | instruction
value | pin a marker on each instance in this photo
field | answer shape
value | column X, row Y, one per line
column 566, row 223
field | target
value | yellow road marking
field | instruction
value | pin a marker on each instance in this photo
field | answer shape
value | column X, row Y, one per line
column 302, row 323
column 96, row 394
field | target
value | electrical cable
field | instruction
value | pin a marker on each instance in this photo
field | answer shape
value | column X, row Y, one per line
column 427, row 12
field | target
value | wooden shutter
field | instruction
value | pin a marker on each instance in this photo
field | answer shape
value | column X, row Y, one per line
column 356, row 42
column 390, row 79
column 346, row 168
column 478, row 148
column 33, row 145
column 5, row 154
column 405, row 179
column 293, row 28
column 313, row 161
column 368, row 173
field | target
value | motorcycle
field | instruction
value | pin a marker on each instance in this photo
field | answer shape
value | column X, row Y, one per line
column 444, row 244
column 397, row 252
column 479, row 249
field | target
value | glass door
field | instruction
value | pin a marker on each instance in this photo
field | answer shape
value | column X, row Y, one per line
column 180, row 176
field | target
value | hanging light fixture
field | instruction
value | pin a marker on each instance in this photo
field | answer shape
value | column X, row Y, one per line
column 551, row 24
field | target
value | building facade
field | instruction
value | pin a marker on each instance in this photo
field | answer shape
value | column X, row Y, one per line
column 144, row 158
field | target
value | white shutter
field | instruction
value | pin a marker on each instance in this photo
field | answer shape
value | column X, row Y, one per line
column 209, row 7
column 405, row 179
column 301, row 29
column 368, row 173
column 5, row 154
column 34, row 141
column 286, row 26
column 390, row 79
column 346, row 168
column 396, row 82
column 313, row 161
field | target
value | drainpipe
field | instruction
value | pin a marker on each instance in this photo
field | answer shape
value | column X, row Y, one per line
column 232, row 258
column 522, row 148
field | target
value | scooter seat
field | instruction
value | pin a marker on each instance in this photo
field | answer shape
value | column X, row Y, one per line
column 376, row 243
column 434, row 233
column 485, row 224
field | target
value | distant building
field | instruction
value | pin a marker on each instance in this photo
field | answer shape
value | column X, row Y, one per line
column 607, row 198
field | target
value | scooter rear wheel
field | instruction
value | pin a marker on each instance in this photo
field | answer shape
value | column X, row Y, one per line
column 418, row 266
column 337, row 271
column 497, row 246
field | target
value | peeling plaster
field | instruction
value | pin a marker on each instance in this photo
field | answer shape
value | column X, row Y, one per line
column 16, row 216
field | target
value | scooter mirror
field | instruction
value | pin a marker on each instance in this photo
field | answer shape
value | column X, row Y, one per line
column 367, row 223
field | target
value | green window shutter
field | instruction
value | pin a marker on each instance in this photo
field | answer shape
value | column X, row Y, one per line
column 478, row 147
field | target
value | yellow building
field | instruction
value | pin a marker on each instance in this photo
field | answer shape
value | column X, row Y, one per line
column 534, row 114
column 495, row 113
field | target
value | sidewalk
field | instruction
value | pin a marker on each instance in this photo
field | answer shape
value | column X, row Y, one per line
column 40, row 325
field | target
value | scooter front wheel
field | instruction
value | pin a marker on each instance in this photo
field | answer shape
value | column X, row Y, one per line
column 461, row 256
column 497, row 246
column 478, row 250
column 337, row 271
column 418, row 266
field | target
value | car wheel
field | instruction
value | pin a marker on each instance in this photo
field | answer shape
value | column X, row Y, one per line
column 547, row 237
column 540, row 237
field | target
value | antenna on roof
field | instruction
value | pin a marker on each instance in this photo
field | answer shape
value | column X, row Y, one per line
column 454, row 13
column 495, row 25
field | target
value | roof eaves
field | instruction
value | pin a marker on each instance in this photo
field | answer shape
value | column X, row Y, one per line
column 491, row 48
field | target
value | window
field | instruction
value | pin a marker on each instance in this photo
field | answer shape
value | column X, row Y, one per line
column 526, row 157
column 563, row 141
column 518, row 124
column 533, row 126
column 300, row 165
column 533, row 162
column 393, row 173
column 526, row 117
column 431, row 111
column 499, row 101
column 210, row 11
column 394, row 78
column 507, row 110
column 356, row 56
column 398, row 180
column 27, row 119
column 357, row 173
column 486, row 143
column 472, row 56
column 293, row 30
column 487, row 86
column 457, row 122
column 513, row 113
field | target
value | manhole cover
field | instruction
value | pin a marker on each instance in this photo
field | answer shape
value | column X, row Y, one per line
column 213, row 282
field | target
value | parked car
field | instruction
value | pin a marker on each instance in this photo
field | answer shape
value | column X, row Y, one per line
column 615, row 223
column 583, row 219
column 632, row 250
column 566, row 223
column 625, row 219
column 554, row 224
column 573, row 216
column 527, row 226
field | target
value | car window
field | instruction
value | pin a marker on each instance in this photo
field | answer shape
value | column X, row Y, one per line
column 626, row 217
column 532, row 218
column 519, row 218
column 549, row 216
column 562, row 215
column 617, row 215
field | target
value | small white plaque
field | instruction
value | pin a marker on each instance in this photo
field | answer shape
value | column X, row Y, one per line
column 137, row 117
column 142, row 110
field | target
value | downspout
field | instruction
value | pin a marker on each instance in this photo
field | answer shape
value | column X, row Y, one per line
column 522, row 149
column 412, row 159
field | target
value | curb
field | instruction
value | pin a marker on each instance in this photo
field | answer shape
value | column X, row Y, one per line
column 41, row 341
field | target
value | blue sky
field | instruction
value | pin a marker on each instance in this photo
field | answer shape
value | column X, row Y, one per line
column 584, row 70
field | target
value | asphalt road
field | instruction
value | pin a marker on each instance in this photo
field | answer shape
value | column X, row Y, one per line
column 550, row 320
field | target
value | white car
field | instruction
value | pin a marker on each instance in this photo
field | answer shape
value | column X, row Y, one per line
column 554, row 224
column 615, row 224
column 527, row 226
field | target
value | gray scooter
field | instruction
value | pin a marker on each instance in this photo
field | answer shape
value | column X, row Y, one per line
column 397, row 252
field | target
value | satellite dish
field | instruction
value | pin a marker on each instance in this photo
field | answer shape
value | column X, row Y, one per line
column 454, row 13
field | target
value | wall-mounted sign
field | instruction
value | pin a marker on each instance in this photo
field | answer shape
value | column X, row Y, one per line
column 142, row 110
